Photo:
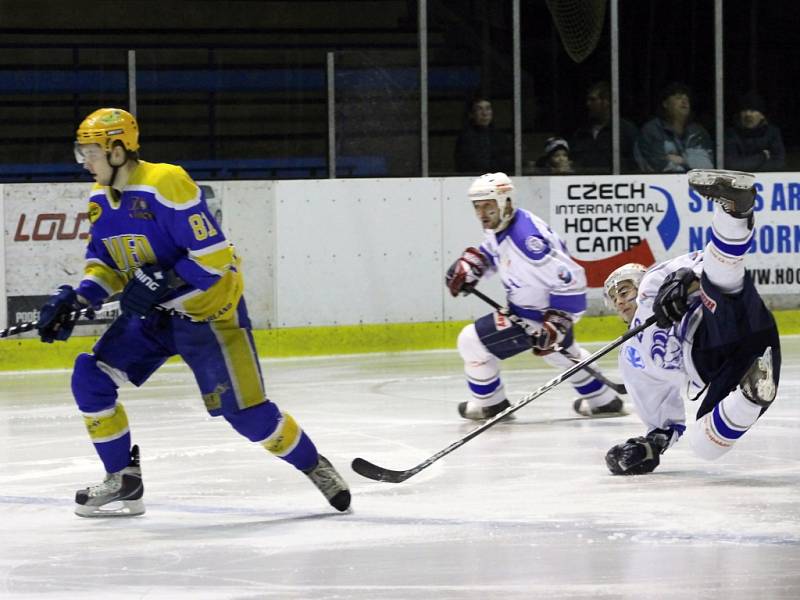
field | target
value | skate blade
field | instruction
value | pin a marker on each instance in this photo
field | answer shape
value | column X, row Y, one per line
column 477, row 419
column 608, row 415
column 602, row 415
column 736, row 179
column 120, row 508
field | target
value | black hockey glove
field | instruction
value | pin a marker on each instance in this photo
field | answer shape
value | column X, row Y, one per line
column 555, row 326
column 638, row 455
column 57, row 317
column 144, row 291
column 466, row 271
column 672, row 299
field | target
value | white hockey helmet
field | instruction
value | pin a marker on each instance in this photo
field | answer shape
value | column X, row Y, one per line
column 633, row 272
column 498, row 187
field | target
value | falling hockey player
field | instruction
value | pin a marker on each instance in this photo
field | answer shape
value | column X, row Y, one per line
column 154, row 240
column 713, row 335
column 546, row 294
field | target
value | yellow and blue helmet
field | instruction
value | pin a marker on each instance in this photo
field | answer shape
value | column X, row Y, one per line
column 108, row 125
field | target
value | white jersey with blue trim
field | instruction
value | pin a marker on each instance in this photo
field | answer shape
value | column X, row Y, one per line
column 536, row 269
column 656, row 365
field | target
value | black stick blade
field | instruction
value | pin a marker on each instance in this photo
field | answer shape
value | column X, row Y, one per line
column 376, row 473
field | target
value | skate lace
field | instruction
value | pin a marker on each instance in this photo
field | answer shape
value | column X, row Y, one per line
column 326, row 479
column 111, row 485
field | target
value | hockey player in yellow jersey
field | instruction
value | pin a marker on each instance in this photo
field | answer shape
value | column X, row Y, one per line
column 153, row 240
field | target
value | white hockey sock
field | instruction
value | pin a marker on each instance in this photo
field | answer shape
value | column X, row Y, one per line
column 716, row 432
column 723, row 260
column 482, row 369
column 594, row 391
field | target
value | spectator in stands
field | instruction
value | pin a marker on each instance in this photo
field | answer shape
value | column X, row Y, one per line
column 555, row 160
column 480, row 147
column 591, row 144
column 753, row 144
column 673, row 142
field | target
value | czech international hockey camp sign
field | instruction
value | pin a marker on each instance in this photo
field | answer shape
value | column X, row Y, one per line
column 609, row 221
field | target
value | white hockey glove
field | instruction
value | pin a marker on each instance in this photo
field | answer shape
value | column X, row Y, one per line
column 465, row 272
column 555, row 326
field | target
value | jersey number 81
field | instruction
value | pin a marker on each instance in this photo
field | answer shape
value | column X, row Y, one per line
column 201, row 226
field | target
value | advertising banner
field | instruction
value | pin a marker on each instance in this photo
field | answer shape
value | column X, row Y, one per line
column 46, row 227
column 46, row 230
column 609, row 221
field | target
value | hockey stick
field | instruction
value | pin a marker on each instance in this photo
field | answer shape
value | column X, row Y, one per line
column 23, row 327
column 373, row 471
column 619, row 388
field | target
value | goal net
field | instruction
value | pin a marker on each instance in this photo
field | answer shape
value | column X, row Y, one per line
column 579, row 24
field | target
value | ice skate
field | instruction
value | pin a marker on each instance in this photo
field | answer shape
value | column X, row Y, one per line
column 614, row 408
column 476, row 412
column 733, row 190
column 330, row 483
column 758, row 384
column 120, row 494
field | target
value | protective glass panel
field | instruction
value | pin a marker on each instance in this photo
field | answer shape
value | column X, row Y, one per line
column 470, row 87
column 234, row 113
column 45, row 92
column 667, row 85
column 377, row 116
column 566, row 105
column 762, row 130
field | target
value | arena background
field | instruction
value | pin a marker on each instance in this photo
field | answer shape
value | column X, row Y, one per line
column 250, row 95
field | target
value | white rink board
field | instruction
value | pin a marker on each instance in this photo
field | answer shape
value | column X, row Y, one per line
column 45, row 238
column 352, row 251
column 3, row 301
column 349, row 255
column 249, row 221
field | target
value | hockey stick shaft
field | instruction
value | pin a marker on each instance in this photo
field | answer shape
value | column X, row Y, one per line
column 373, row 471
column 31, row 325
column 618, row 388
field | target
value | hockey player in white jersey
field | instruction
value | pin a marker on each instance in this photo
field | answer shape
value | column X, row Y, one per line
column 546, row 294
column 714, row 340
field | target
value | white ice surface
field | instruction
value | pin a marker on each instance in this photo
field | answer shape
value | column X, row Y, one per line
column 525, row 510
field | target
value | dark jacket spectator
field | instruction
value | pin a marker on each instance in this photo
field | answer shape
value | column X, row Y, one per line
column 673, row 142
column 591, row 144
column 753, row 144
column 480, row 148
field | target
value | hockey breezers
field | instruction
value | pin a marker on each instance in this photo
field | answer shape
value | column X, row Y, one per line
column 31, row 325
column 618, row 388
column 373, row 471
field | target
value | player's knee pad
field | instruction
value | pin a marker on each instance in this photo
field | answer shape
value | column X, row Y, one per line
column 255, row 423
column 94, row 390
column 470, row 347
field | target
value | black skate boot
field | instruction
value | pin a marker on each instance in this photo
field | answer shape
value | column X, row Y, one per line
column 733, row 190
column 120, row 494
column 614, row 408
column 471, row 410
column 758, row 384
column 330, row 483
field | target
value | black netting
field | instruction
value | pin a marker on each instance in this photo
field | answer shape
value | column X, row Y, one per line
column 579, row 24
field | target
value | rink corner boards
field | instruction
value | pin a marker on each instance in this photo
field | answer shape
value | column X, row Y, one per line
column 21, row 354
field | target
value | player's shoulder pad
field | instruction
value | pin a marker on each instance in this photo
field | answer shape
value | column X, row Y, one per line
column 98, row 198
column 170, row 184
column 525, row 235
